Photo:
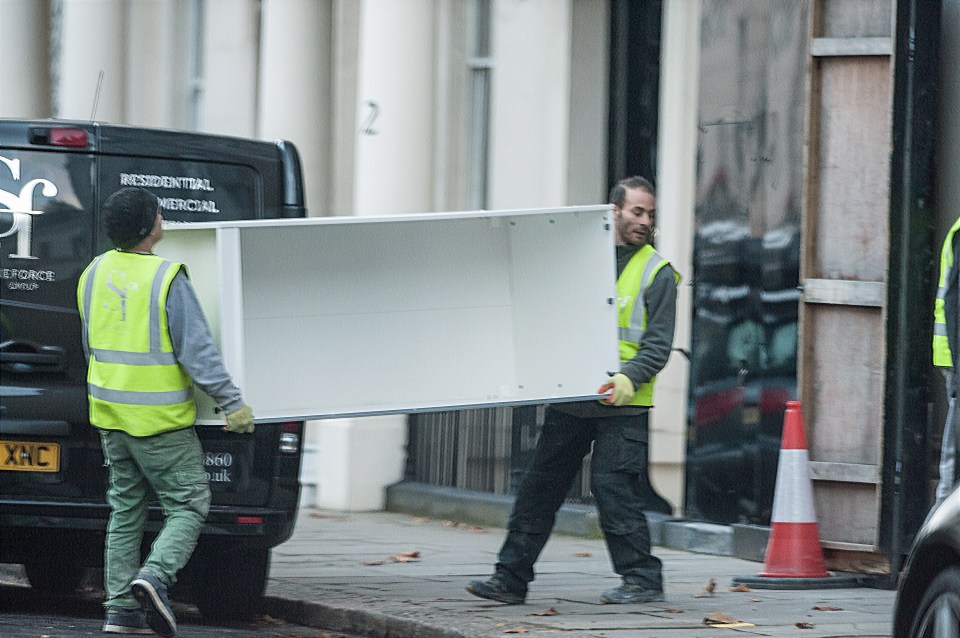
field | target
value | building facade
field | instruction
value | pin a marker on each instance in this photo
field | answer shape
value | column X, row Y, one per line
column 434, row 105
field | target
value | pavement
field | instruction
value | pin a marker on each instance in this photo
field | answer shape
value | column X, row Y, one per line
column 391, row 575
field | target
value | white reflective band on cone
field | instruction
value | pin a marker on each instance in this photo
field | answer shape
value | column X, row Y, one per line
column 793, row 495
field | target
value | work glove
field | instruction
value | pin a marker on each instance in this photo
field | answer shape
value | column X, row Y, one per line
column 622, row 387
column 240, row 420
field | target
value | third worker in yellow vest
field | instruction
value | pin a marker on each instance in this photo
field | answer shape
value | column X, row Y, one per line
column 946, row 318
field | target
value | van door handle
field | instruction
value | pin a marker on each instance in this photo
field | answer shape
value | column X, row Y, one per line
column 27, row 356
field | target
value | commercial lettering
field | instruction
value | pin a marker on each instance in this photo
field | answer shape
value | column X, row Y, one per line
column 189, row 205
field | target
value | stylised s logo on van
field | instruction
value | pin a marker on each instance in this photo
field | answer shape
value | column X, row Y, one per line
column 19, row 209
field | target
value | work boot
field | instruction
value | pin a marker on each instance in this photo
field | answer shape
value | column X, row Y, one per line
column 631, row 593
column 152, row 596
column 120, row 620
column 494, row 588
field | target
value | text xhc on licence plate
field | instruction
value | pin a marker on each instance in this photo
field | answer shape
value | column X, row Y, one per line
column 29, row 456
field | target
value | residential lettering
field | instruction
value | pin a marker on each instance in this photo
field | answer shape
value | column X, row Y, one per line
column 165, row 181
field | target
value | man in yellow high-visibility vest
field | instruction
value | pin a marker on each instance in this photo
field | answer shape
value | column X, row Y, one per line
column 945, row 352
column 147, row 342
column 615, row 428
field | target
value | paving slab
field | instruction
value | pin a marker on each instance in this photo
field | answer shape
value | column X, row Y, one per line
column 393, row 575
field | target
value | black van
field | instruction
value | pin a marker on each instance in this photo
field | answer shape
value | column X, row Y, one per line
column 54, row 177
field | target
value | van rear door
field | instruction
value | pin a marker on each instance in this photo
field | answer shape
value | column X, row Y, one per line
column 46, row 240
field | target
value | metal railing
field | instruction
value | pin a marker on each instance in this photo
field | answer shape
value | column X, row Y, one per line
column 485, row 450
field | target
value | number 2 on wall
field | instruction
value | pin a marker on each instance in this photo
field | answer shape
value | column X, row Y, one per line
column 373, row 112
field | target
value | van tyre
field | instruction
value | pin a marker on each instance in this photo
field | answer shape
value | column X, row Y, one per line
column 232, row 585
column 939, row 612
column 57, row 576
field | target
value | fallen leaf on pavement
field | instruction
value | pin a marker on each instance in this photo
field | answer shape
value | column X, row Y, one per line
column 741, row 587
column 708, row 589
column 826, row 608
column 804, row 625
column 546, row 612
column 675, row 611
column 405, row 557
column 474, row 529
column 330, row 517
column 269, row 620
column 373, row 562
column 520, row 629
column 583, row 554
column 421, row 519
column 717, row 618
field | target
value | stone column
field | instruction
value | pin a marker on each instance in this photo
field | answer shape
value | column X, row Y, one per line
column 24, row 50
column 93, row 39
column 530, row 104
column 294, row 94
column 229, row 59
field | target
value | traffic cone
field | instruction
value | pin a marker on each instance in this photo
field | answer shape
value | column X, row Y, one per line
column 794, row 557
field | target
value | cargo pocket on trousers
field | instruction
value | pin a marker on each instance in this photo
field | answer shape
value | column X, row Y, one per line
column 196, row 488
column 633, row 450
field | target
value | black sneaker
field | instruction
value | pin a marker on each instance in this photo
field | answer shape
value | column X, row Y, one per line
column 120, row 620
column 152, row 595
column 495, row 589
column 629, row 593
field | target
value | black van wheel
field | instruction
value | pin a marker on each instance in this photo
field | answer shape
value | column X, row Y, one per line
column 54, row 577
column 233, row 583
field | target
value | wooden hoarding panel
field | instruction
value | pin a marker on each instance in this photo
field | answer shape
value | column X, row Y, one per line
column 845, row 252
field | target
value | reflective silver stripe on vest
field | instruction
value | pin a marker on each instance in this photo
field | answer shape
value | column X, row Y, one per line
column 128, row 397
column 135, row 358
column 942, row 293
column 155, row 306
column 635, row 332
column 87, row 297
column 939, row 329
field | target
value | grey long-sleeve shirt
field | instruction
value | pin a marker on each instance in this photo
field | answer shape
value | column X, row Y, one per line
column 194, row 347
column 651, row 357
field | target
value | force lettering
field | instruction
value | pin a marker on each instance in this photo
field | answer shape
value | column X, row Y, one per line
column 23, row 274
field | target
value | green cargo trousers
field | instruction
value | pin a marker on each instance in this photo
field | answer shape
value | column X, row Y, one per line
column 172, row 464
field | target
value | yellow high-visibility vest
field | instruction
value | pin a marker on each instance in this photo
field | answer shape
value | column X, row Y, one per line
column 941, row 347
column 134, row 382
column 632, row 316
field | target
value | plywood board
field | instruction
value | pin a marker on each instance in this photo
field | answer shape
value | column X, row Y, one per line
column 847, row 512
column 330, row 317
column 843, row 414
column 852, row 229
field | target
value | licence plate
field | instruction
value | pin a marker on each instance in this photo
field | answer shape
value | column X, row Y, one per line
column 29, row 456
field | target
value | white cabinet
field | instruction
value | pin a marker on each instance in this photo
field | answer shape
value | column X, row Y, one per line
column 350, row 316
